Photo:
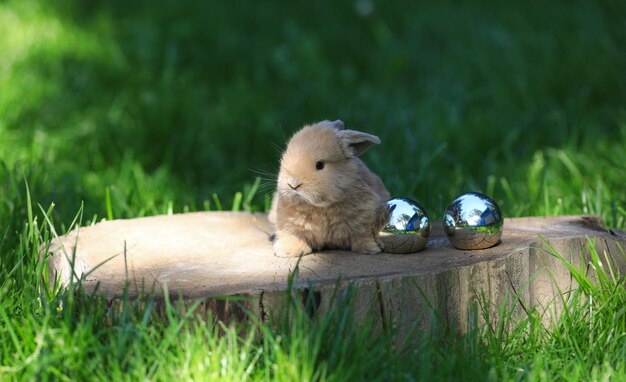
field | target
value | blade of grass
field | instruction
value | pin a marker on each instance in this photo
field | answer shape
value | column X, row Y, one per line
column 237, row 201
column 109, row 206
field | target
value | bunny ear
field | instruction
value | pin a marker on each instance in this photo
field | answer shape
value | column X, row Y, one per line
column 338, row 124
column 356, row 143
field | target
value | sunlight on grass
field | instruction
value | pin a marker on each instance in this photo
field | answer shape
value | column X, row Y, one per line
column 37, row 47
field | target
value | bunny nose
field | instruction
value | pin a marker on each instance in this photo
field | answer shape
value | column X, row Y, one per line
column 294, row 187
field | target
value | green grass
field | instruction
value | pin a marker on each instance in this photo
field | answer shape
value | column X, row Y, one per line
column 122, row 110
column 73, row 336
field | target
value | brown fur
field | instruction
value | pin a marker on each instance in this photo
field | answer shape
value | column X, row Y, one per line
column 342, row 206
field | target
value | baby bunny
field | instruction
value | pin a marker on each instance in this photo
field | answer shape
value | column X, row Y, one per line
column 326, row 197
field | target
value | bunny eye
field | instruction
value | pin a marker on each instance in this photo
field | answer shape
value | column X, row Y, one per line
column 319, row 165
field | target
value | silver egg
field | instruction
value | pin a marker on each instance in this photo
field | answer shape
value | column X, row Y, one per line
column 408, row 227
column 473, row 221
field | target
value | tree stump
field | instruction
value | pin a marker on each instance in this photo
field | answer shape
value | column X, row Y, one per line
column 206, row 255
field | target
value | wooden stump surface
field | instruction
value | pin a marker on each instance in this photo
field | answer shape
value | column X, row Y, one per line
column 210, row 254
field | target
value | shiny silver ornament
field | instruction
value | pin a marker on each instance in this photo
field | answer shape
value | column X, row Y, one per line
column 473, row 221
column 408, row 227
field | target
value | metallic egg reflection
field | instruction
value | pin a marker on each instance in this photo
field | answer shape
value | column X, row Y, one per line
column 473, row 221
column 408, row 226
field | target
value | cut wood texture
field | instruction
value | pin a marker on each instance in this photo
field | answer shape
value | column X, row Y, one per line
column 207, row 255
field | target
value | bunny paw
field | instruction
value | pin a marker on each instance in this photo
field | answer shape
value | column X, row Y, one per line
column 291, row 246
column 368, row 246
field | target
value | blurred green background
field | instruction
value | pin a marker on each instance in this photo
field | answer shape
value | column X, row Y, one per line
column 134, row 108
column 162, row 104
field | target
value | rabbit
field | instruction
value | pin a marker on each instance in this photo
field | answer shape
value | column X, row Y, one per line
column 326, row 197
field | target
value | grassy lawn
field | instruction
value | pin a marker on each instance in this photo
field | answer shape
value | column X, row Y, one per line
column 123, row 109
